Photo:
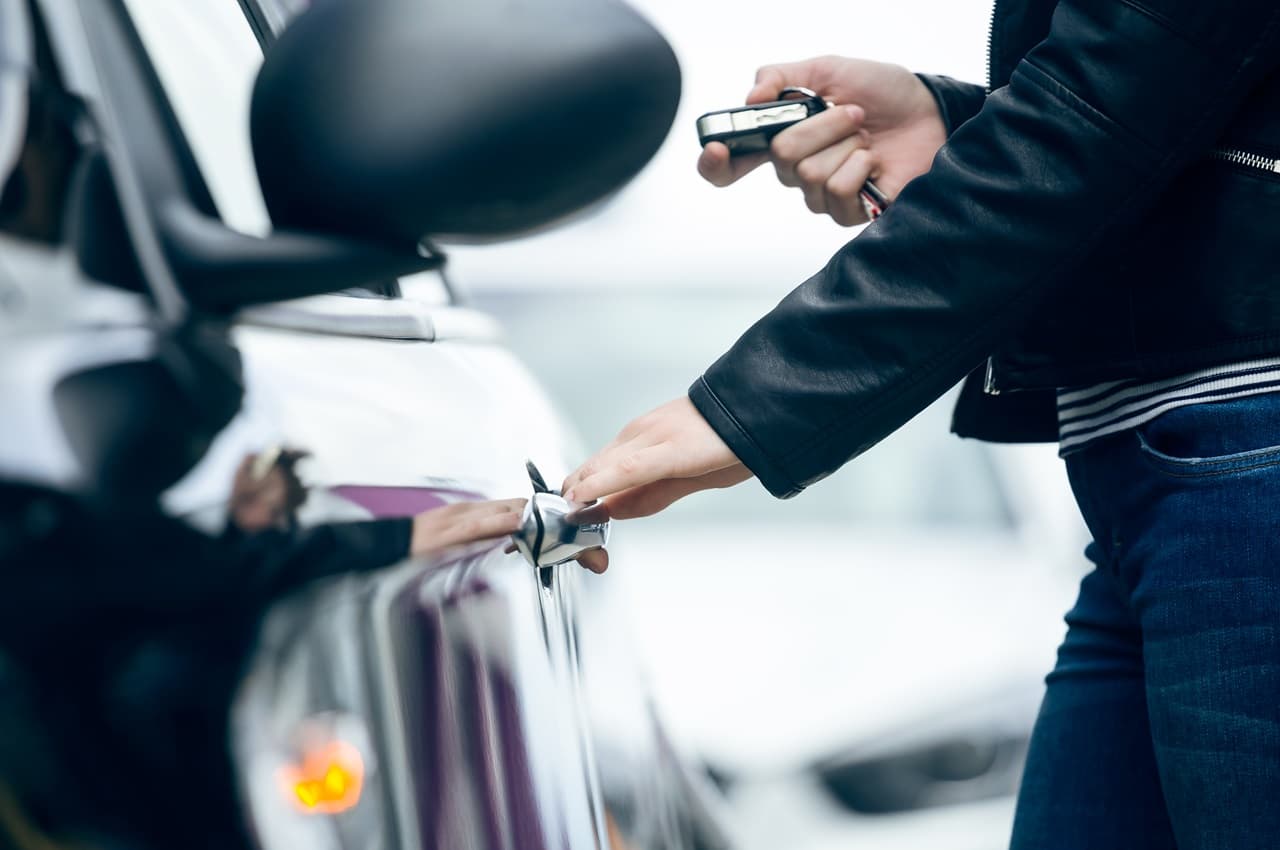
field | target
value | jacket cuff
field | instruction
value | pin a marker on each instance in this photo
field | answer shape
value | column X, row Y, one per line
column 371, row 544
column 735, row 436
column 957, row 101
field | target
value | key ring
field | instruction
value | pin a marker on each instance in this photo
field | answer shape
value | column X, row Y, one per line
column 793, row 91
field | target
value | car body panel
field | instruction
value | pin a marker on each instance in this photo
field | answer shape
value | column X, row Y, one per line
column 465, row 688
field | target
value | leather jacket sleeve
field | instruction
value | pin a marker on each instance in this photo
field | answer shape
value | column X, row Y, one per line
column 1096, row 121
column 957, row 101
column 95, row 563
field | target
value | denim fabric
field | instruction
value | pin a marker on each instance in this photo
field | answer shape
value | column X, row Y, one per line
column 1160, row 726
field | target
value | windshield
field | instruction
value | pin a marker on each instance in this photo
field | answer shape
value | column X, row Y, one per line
column 632, row 351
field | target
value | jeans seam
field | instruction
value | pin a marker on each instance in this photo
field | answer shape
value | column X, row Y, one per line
column 1209, row 473
column 1206, row 467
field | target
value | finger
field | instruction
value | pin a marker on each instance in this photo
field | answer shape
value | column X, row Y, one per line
column 482, row 528
column 592, row 514
column 817, row 169
column 815, row 199
column 588, row 468
column 592, row 463
column 653, row 498
column 719, row 168
column 813, row 172
column 464, row 510
column 596, row 560
column 671, row 441
column 714, row 164
column 842, row 188
column 627, row 470
column 770, row 80
column 434, row 532
column 509, row 549
column 811, row 135
column 622, row 445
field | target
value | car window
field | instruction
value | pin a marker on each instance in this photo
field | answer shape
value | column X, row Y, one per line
column 206, row 56
column 606, row 356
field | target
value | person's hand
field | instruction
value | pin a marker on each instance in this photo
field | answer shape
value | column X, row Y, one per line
column 463, row 522
column 659, row 458
column 885, row 126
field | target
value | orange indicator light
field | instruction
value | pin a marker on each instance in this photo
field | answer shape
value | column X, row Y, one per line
column 328, row 780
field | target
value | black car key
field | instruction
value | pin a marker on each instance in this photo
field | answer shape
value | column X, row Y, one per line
column 750, row 129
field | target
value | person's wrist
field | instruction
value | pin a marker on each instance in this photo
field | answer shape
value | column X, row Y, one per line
column 418, row 536
column 955, row 101
column 925, row 105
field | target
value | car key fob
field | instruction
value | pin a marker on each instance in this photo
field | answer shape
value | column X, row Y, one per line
column 750, row 129
column 554, row 530
column 747, row 129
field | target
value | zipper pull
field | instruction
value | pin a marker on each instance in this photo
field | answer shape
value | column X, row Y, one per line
column 989, row 382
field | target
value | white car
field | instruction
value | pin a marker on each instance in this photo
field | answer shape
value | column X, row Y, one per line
column 472, row 699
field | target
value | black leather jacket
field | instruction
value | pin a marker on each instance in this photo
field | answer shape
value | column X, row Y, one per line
column 1075, row 228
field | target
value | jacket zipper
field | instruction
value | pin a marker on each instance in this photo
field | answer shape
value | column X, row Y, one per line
column 1247, row 159
column 989, row 382
column 991, row 42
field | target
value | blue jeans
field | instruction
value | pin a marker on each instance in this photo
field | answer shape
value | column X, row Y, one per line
column 1160, row 726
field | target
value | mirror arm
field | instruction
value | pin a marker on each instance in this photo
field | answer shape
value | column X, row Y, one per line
column 221, row 270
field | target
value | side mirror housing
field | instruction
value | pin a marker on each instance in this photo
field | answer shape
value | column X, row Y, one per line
column 393, row 120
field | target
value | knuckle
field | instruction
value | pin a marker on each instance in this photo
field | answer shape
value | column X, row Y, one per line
column 782, row 148
column 810, row 172
column 634, row 427
column 629, row 464
column 839, row 186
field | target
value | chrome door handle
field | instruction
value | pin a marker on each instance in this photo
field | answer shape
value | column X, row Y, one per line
column 554, row 530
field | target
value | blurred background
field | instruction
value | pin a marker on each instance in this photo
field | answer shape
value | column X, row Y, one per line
column 860, row 666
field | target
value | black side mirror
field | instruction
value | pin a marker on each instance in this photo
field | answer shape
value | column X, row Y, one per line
column 393, row 120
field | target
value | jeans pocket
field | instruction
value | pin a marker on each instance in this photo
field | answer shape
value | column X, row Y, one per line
column 1216, row 437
